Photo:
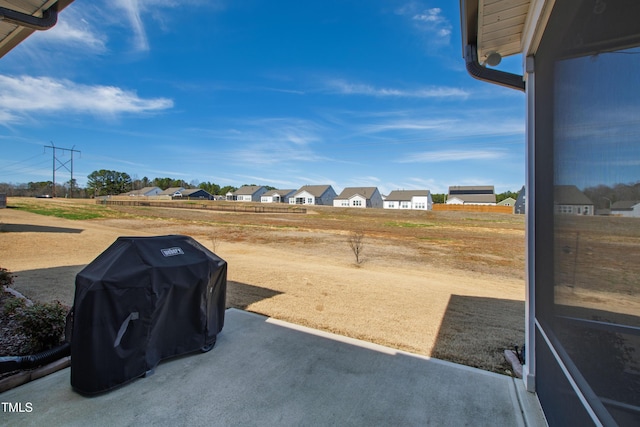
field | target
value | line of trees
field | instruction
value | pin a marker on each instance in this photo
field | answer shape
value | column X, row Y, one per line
column 604, row 196
column 108, row 182
column 39, row 188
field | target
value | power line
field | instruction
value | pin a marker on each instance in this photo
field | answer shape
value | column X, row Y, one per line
column 8, row 171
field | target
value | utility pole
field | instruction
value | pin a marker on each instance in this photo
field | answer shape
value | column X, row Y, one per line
column 57, row 164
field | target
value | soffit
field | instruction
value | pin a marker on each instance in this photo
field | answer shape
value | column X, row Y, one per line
column 12, row 34
column 501, row 24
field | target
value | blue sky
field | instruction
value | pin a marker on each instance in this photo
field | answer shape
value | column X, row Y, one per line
column 270, row 92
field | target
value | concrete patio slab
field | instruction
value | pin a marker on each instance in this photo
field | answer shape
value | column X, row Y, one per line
column 268, row 372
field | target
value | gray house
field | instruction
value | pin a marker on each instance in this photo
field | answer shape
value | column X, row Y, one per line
column 313, row 195
column 359, row 197
column 519, row 207
column 146, row 191
column 249, row 193
column 568, row 200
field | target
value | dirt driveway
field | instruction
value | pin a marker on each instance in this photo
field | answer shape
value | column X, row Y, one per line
column 307, row 277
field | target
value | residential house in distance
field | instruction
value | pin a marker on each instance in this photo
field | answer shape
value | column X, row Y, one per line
column 509, row 201
column 277, row 196
column 359, row 197
column 409, row 199
column 146, row 191
column 630, row 208
column 313, row 195
column 568, row 200
column 249, row 193
column 519, row 207
column 172, row 192
column 195, row 193
column 471, row 195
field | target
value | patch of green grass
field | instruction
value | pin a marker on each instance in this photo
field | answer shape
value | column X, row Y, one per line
column 67, row 212
column 61, row 213
column 408, row 224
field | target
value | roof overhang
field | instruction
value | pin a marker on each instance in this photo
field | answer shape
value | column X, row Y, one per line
column 495, row 26
column 19, row 19
column 493, row 29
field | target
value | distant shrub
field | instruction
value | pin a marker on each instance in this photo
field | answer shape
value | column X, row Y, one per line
column 6, row 278
column 44, row 324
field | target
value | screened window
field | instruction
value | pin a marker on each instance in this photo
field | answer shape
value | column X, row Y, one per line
column 587, row 79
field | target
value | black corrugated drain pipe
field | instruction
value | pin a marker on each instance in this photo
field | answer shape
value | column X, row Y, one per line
column 477, row 71
column 17, row 363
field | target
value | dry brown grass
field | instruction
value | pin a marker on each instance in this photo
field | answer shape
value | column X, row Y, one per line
column 445, row 284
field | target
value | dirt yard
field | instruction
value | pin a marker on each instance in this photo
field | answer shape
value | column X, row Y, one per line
column 448, row 284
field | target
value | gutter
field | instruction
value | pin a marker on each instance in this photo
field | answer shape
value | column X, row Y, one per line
column 477, row 71
column 48, row 20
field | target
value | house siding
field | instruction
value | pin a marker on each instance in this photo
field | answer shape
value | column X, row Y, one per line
column 304, row 197
column 401, row 199
column 359, row 200
column 249, row 194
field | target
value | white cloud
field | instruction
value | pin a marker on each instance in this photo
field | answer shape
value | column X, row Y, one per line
column 260, row 180
column 409, row 125
column 452, row 156
column 73, row 30
column 429, row 15
column 429, row 21
column 21, row 96
column 135, row 9
column 132, row 10
column 272, row 141
column 348, row 88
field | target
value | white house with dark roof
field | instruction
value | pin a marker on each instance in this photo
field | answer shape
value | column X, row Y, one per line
column 359, row 197
column 409, row 199
column 471, row 195
column 277, row 196
column 172, row 192
column 249, row 193
column 630, row 208
column 569, row 200
column 313, row 195
column 146, row 191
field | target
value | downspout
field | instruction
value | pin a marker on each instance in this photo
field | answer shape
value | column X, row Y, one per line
column 477, row 71
column 48, row 20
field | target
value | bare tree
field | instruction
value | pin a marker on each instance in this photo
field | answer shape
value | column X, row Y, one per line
column 215, row 242
column 356, row 243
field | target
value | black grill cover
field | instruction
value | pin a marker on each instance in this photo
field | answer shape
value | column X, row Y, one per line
column 142, row 300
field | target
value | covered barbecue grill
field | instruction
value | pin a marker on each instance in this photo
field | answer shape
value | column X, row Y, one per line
column 142, row 300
